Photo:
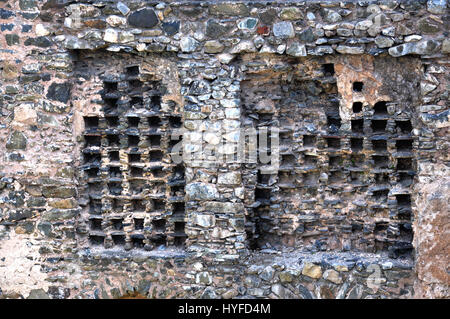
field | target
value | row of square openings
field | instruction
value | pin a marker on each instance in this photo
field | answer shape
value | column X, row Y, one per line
column 137, row 241
column 128, row 140
column 289, row 179
column 376, row 125
column 135, row 187
column 155, row 122
column 139, row 205
column 380, row 108
column 92, row 158
column 158, row 229
column 116, row 172
column 401, row 145
column 117, row 223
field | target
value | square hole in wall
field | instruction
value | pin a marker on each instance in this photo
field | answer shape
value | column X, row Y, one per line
column 138, row 223
column 92, row 140
column 112, row 121
column 357, row 107
column 159, row 225
column 133, row 140
column 118, row 240
column 159, row 204
column 117, row 223
column 133, row 122
column 380, row 161
column 358, row 86
column 309, row 140
column 95, row 206
column 404, row 164
column 333, row 143
column 154, row 140
column 96, row 240
column 96, row 223
column 138, row 205
column 328, row 69
column 114, row 172
column 113, row 140
column 380, row 108
column 378, row 126
column 379, row 145
column 403, row 127
column 113, row 156
column 356, row 144
column 155, row 156
column 404, row 145
column 91, row 122
column 115, row 188
column 134, row 158
column 154, row 122
column 335, row 161
column 137, row 241
column 357, row 126
column 136, row 171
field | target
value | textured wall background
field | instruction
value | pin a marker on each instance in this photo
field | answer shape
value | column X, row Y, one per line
column 40, row 43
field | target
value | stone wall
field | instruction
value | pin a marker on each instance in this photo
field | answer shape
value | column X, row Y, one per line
column 93, row 205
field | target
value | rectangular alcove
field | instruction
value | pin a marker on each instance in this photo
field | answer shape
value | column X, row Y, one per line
column 347, row 154
column 132, row 191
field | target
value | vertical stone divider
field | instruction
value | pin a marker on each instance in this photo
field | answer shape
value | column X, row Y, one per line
column 214, row 209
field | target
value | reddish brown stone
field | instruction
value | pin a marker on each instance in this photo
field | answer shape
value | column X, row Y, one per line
column 264, row 30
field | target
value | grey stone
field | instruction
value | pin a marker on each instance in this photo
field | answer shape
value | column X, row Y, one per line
column 344, row 32
column 16, row 141
column 267, row 273
column 123, row 8
column 439, row 120
column 304, row 292
column 321, row 50
column 292, row 13
column 209, row 293
column 143, row 287
column 424, row 47
column 344, row 49
column 446, row 46
column 171, row 28
column 243, row 46
column 213, row 46
column 437, row 6
column 59, row 92
column 201, row 191
column 144, row 18
column 296, row 49
column 332, row 16
column 216, row 30
column 383, row 42
column 38, row 294
column 428, row 26
column 199, row 87
column 72, row 42
column 268, row 16
column 307, row 35
column 188, row 44
column 229, row 9
column 27, row 4
column 283, row 30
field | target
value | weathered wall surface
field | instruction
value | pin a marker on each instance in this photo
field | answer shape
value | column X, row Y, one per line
column 215, row 51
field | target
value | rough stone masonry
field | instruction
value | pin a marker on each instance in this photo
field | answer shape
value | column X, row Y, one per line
column 224, row 149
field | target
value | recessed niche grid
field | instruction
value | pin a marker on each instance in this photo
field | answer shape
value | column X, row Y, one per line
column 338, row 187
column 134, row 193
